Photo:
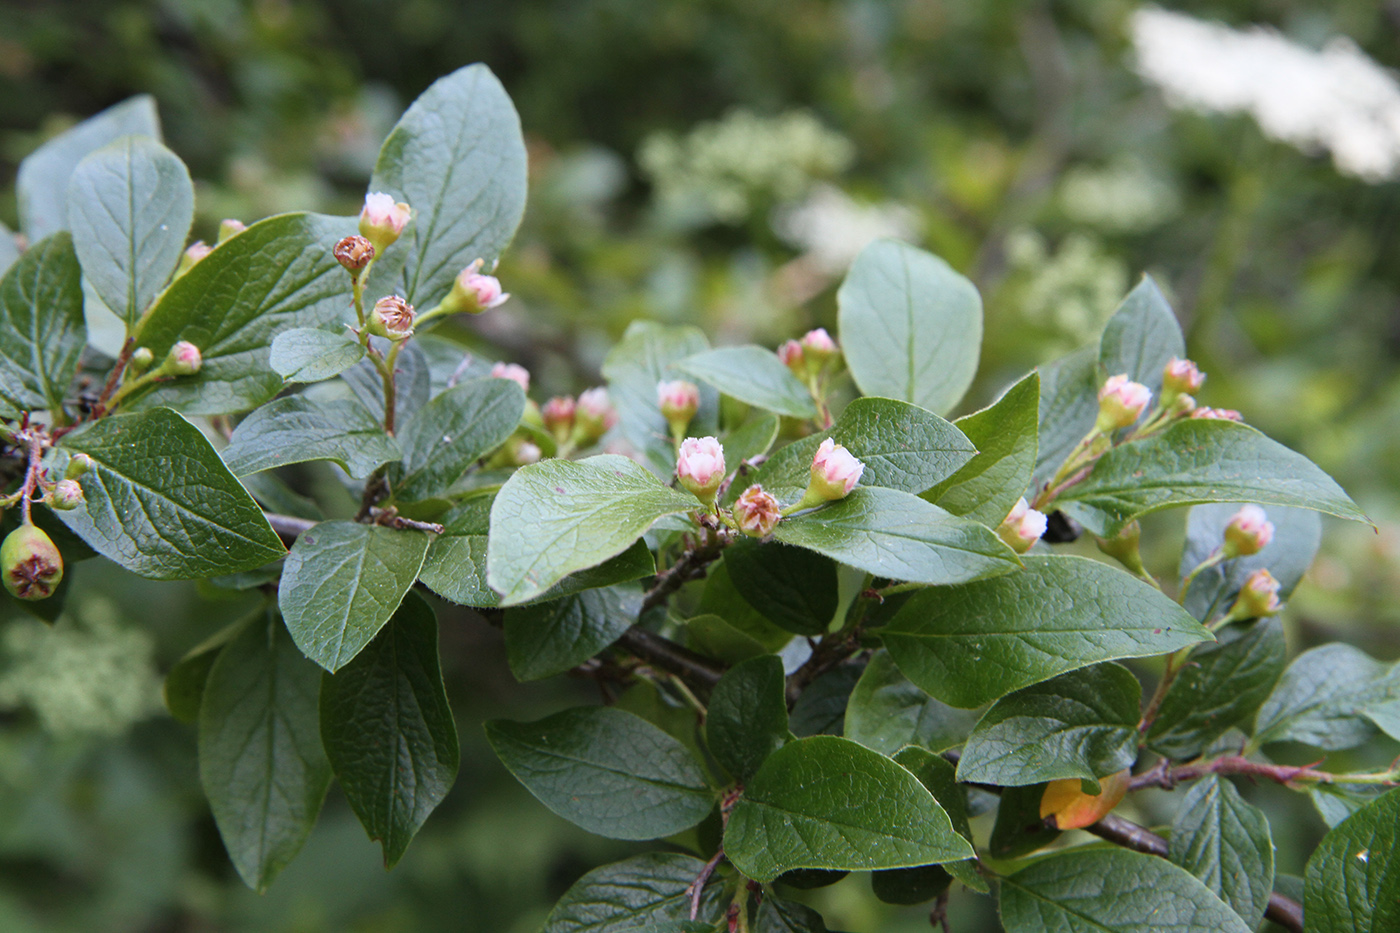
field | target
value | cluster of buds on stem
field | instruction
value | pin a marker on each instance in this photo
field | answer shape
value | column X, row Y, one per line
column 558, row 414
column 195, row 252
column 594, row 416
column 808, row 357
column 1022, row 527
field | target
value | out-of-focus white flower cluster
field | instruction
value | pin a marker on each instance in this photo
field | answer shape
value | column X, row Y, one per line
column 831, row 227
column 1070, row 292
column 721, row 170
column 88, row 675
column 1337, row 99
column 1125, row 197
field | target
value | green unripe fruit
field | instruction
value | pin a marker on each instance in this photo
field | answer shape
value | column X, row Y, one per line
column 31, row 564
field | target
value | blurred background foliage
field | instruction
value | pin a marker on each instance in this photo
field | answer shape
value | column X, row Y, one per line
column 709, row 161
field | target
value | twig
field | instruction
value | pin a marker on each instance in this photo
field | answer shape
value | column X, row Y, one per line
column 698, row 672
column 690, row 566
column 826, row 654
column 1166, row 776
column 288, row 527
column 697, row 887
column 114, row 377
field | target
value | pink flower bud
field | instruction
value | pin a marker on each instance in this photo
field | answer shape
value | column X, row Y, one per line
column 1217, row 414
column 475, row 292
column 818, row 344
column 31, row 565
column 1182, row 376
column 1121, row 403
column 757, row 512
column 679, row 401
column 595, row 415
column 391, row 317
column 791, row 355
column 1022, row 527
column 382, row 220
column 526, row 453
column 514, row 372
column 195, row 252
column 230, row 228
column 835, row 472
column 67, row 494
column 354, row 253
column 1258, row 597
column 558, row 414
column 700, row 467
column 1249, row 532
column 184, row 359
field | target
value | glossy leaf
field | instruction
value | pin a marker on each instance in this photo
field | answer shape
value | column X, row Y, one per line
column 1142, row 337
column 1297, row 533
column 900, row 536
column 556, row 517
column 1068, row 406
column 753, row 375
column 342, row 581
column 1004, row 433
column 1323, row 696
column 1353, row 877
column 297, row 429
column 1225, row 842
column 826, row 802
column 455, row 429
column 776, row 915
column 1079, row 725
column 130, row 206
column 457, row 157
column 183, row 689
column 388, row 729
column 747, row 718
column 549, row 638
column 309, row 354
column 971, row 644
column 911, row 327
column 42, row 331
column 789, row 586
column 260, row 756
column 636, row 895
column 939, row 775
column 162, row 504
column 821, row 709
column 606, row 770
column 886, row 712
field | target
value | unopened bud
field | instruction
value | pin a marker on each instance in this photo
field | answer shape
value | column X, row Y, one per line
column 1181, row 406
column 1065, row 805
column 558, row 414
column 594, row 416
column 525, row 453
column 196, row 252
column 818, row 349
column 700, row 467
column 1181, row 377
column 1022, row 527
column 514, row 372
column 1248, row 532
column 1217, row 414
column 1258, row 598
column 354, row 253
column 141, row 360
column 791, row 355
column 1121, row 403
column 31, row 564
column 382, row 220
column 78, row 466
column 184, row 359
column 230, row 228
column 679, row 401
column 474, row 292
column 391, row 317
column 757, row 512
column 835, row 472
column 1124, row 548
column 67, row 494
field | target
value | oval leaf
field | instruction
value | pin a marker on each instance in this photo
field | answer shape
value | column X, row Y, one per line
column 297, row 429
column 1225, row 842
column 1353, row 877
column 637, row 895
column 452, row 431
column 42, row 331
column 754, row 375
column 309, row 354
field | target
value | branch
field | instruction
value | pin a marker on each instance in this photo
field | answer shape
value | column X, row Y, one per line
column 698, row 672
column 288, row 527
column 1166, row 776
column 690, row 566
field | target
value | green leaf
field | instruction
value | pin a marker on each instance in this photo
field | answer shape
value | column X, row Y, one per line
column 713, row 637
column 821, row 709
column 902, row 446
column 900, row 536
column 9, row 249
column 42, row 182
column 1079, row 725
column 556, row 517
column 42, row 331
column 791, row 587
column 776, row 915
column 1142, row 337
column 1323, row 697
column 309, row 354
column 1005, row 434
column 1297, row 533
column 1111, row 891
column 455, row 429
column 971, row 644
column 341, row 583
column 277, row 274
column 637, row 895
column 938, row 775
column 1225, row 842
column 183, row 690
column 720, row 598
column 609, row 771
column 1069, row 404
column 413, row 383
column 911, row 327
column 297, row 429
column 753, row 375
column 457, row 157
column 388, row 729
column 162, row 504
column 260, row 756
column 886, row 712
column 826, row 802
column 1219, row 687
column 1019, row 828
column 549, row 638
column 1336, row 802
column 747, row 717
column 753, row 438
column 1204, row 460
column 1353, row 877
column 131, row 204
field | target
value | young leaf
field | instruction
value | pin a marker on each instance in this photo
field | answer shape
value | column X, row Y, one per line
column 453, row 431
column 1225, row 842
column 1322, row 698
column 1112, row 891
column 42, row 331
column 277, row 274
column 1142, row 337
column 556, row 517
column 548, row 638
column 1079, row 725
column 130, row 205
column 1203, row 460
column 341, row 583
column 42, row 182
column 388, row 729
column 260, row 756
column 1068, row 406
column 753, row 375
column 747, row 716
column 911, row 327
column 457, row 157
column 886, row 712
column 1353, row 877
column 309, row 354
column 826, row 802
column 606, row 770
column 1219, row 687
column 791, row 587
column 988, row 485
column 971, row 644
column 900, row 536
column 637, row 895
column 1297, row 533
column 296, row 429
column 162, row 504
